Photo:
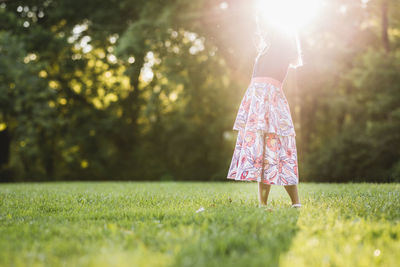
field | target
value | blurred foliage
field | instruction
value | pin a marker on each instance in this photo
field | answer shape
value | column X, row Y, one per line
column 148, row 90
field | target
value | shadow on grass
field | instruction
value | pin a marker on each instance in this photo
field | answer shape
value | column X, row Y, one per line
column 239, row 236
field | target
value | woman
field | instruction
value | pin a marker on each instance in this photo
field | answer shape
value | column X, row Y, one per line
column 265, row 149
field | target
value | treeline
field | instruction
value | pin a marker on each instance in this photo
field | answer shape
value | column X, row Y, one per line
column 148, row 90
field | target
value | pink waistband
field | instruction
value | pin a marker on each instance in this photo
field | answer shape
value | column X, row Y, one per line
column 267, row 80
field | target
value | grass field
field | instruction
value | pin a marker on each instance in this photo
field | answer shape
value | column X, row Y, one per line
column 156, row 224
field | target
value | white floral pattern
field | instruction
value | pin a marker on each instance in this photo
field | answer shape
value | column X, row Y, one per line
column 266, row 146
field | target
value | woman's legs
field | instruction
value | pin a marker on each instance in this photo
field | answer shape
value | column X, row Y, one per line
column 293, row 194
column 264, row 189
column 263, row 192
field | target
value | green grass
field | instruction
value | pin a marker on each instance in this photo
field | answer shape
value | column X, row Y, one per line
column 156, row 224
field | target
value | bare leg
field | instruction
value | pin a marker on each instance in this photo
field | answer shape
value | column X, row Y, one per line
column 293, row 194
column 263, row 192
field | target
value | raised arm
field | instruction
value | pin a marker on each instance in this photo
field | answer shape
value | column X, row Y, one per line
column 296, row 53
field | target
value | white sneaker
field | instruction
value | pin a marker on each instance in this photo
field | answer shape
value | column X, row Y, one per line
column 298, row 205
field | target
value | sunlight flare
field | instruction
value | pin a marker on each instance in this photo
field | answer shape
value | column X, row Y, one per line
column 287, row 15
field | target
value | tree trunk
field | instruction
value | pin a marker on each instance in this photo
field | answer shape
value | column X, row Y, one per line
column 385, row 25
column 134, row 95
column 5, row 143
column 46, row 144
column 127, row 139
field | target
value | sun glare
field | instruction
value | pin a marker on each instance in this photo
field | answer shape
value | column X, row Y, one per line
column 287, row 15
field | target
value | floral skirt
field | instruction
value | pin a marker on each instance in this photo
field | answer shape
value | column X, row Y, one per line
column 265, row 148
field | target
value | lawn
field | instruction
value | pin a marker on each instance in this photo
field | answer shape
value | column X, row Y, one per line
column 156, row 224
